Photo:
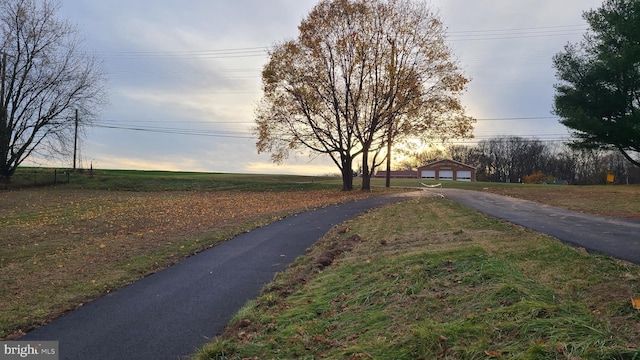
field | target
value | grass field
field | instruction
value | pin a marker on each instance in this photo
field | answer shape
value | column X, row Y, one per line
column 64, row 245
column 612, row 200
column 459, row 285
column 135, row 180
column 429, row 279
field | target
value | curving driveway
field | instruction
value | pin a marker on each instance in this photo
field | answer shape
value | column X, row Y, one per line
column 616, row 237
column 170, row 314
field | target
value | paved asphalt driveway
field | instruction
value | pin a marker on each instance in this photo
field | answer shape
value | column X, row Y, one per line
column 619, row 238
column 171, row 313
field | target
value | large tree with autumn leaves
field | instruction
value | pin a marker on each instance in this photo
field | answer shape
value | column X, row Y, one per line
column 361, row 75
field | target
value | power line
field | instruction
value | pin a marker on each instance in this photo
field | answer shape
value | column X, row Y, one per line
column 189, row 51
column 173, row 54
column 513, row 138
column 471, row 35
column 519, row 118
column 115, row 122
column 177, row 131
column 468, row 35
column 517, row 33
column 581, row 26
column 246, row 135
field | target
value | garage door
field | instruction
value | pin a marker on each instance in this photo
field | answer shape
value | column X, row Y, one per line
column 463, row 176
column 446, row 174
column 428, row 174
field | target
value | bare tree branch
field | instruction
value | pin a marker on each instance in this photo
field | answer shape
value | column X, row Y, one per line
column 360, row 74
column 45, row 78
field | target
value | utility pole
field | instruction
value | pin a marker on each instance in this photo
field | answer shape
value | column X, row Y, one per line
column 388, row 177
column 391, row 119
column 75, row 143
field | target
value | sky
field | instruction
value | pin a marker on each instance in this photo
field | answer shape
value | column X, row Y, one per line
column 184, row 76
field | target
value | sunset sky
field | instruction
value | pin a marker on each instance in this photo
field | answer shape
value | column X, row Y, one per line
column 184, row 76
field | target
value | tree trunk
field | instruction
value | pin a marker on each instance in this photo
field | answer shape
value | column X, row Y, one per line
column 366, row 182
column 347, row 173
column 5, row 174
column 366, row 173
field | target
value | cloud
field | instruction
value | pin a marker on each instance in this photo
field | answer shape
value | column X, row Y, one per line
column 195, row 65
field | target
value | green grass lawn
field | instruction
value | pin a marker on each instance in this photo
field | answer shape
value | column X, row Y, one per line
column 467, row 185
column 429, row 279
column 136, row 180
column 424, row 279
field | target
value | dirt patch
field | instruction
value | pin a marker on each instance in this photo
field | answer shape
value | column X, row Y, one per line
column 317, row 258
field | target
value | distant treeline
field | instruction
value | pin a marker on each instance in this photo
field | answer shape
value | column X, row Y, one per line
column 515, row 159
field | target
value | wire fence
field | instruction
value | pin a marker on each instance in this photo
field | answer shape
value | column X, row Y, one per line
column 36, row 177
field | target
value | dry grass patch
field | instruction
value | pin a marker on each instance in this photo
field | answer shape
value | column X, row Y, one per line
column 60, row 248
column 614, row 200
